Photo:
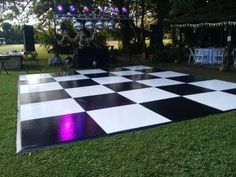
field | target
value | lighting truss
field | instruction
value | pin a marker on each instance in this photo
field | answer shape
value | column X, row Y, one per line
column 91, row 17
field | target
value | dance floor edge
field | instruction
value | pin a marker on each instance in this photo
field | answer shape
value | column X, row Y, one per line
column 57, row 108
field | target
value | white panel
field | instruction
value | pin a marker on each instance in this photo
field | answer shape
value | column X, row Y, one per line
column 48, row 109
column 34, row 76
column 215, row 84
column 88, row 91
column 111, row 80
column 147, row 95
column 167, row 74
column 139, row 67
column 219, row 100
column 159, row 82
column 70, row 78
column 40, row 87
column 92, row 71
column 126, row 118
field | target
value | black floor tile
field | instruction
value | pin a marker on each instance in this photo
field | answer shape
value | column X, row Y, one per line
column 99, row 75
column 141, row 77
column 77, row 83
column 37, row 81
column 53, row 130
column 114, row 69
column 43, row 96
column 189, row 78
column 151, row 70
column 178, row 109
column 185, row 89
column 68, row 73
column 102, row 101
column 125, row 86
column 231, row 91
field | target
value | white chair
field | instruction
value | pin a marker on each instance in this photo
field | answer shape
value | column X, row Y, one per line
column 191, row 56
column 207, row 56
column 199, row 54
column 218, row 56
column 234, row 57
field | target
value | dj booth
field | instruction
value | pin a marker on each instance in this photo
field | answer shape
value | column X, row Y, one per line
column 90, row 57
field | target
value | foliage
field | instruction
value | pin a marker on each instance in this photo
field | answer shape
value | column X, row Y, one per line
column 12, row 33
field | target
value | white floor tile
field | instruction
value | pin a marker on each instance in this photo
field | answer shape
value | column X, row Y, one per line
column 49, row 108
column 139, row 67
column 159, row 82
column 88, row 91
column 34, row 76
column 147, row 95
column 215, row 84
column 219, row 100
column 167, row 74
column 126, row 73
column 91, row 71
column 111, row 80
column 126, row 118
column 70, row 78
column 40, row 87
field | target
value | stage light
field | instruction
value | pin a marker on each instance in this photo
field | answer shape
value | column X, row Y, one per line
column 86, row 9
column 88, row 25
column 124, row 10
column 60, row 8
column 113, row 10
column 100, row 9
column 78, row 26
column 72, row 9
column 99, row 25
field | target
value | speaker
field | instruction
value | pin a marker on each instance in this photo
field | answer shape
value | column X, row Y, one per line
column 28, row 35
column 90, row 57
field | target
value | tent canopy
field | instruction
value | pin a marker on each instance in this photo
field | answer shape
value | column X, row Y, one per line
column 222, row 12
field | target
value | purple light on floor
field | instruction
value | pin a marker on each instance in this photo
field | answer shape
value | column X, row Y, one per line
column 67, row 127
column 60, row 8
column 72, row 8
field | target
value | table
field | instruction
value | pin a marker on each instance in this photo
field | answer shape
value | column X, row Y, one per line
column 6, row 61
column 207, row 55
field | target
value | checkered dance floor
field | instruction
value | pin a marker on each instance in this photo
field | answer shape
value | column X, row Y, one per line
column 64, row 107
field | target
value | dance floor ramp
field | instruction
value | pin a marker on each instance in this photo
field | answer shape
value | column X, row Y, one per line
column 71, row 106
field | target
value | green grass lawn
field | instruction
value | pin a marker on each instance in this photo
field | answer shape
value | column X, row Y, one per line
column 200, row 147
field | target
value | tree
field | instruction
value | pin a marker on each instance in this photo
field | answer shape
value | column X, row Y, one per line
column 12, row 33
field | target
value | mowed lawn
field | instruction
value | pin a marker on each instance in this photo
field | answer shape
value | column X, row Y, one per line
column 42, row 51
column 200, row 147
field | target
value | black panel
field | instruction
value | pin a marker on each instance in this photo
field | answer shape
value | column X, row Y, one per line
column 178, row 109
column 125, row 86
column 102, row 101
column 52, row 130
column 43, row 96
column 77, row 83
column 185, row 89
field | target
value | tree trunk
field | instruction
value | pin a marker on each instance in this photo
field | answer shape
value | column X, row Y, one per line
column 142, row 26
